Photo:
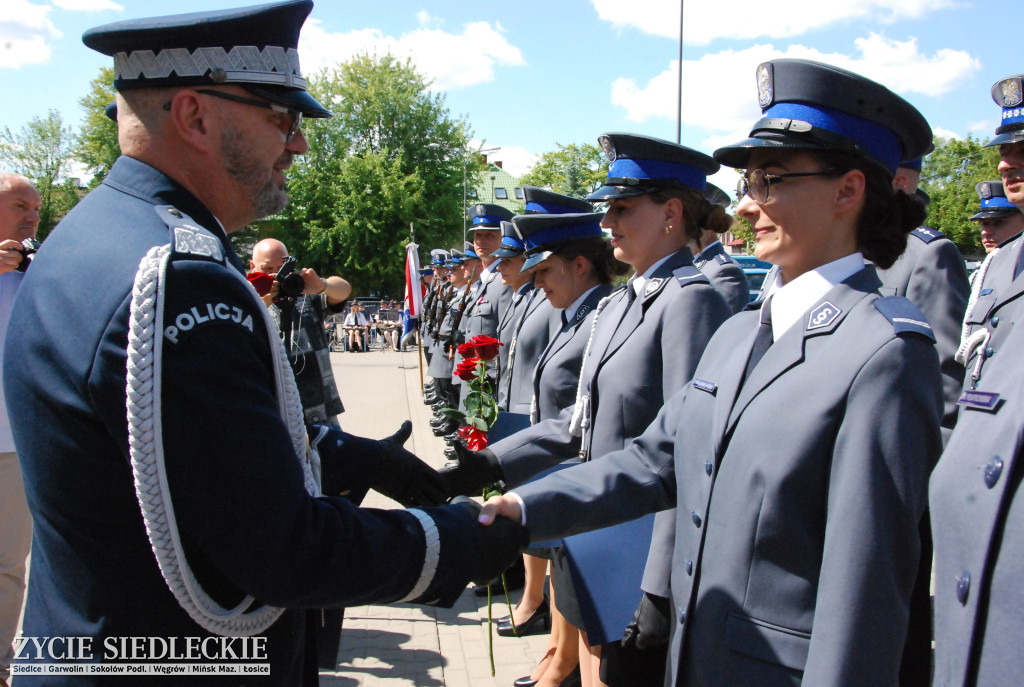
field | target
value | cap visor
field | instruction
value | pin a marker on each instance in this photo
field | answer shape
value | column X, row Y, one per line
column 610, row 192
column 737, row 155
column 993, row 213
column 506, row 253
column 536, row 259
column 1008, row 137
column 291, row 97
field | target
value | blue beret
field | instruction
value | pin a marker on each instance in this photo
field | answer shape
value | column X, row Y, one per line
column 544, row 233
column 252, row 47
column 813, row 106
column 543, row 201
column 639, row 165
column 488, row 216
column 1007, row 94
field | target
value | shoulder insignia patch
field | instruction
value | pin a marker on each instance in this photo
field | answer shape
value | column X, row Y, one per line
column 652, row 286
column 822, row 316
column 188, row 237
column 688, row 274
column 927, row 234
column 204, row 314
column 582, row 312
column 904, row 316
column 723, row 259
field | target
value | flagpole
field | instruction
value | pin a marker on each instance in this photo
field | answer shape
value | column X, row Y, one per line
column 419, row 340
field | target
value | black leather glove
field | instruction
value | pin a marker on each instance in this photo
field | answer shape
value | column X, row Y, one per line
column 349, row 462
column 501, row 544
column 650, row 624
column 475, row 470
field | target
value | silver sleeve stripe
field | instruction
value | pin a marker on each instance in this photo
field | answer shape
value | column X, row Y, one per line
column 430, row 557
column 272, row 64
column 917, row 323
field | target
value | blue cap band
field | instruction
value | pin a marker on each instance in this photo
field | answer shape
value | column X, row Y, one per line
column 493, row 221
column 879, row 141
column 1012, row 115
column 563, row 232
column 694, row 177
column 513, row 242
column 550, row 208
column 997, row 202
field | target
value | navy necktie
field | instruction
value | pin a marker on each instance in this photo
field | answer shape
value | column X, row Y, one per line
column 763, row 340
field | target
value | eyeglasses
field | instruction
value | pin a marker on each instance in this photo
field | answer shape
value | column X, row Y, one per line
column 758, row 183
column 293, row 128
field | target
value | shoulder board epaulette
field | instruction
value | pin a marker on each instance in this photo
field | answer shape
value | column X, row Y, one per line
column 722, row 258
column 927, row 234
column 904, row 316
column 688, row 274
column 187, row 237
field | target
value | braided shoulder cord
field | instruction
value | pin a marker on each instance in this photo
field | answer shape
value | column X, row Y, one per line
column 580, row 420
column 146, row 448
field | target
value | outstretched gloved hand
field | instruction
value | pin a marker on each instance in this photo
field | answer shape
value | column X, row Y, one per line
column 349, row 462
column 474, row 471
column 650, row 624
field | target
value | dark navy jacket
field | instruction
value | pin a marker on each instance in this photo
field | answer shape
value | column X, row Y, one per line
column 247, row 524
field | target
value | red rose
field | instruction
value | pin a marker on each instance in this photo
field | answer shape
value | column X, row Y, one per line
column 483, row 347
column 261, row 282
column 466, row 370
column 466, row 350
column 474, row 439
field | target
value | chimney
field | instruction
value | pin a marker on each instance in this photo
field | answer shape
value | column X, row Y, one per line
column 497, row 163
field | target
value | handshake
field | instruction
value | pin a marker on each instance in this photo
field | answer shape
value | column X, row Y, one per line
column 351, row 466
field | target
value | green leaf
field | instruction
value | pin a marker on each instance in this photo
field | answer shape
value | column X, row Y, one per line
column 454, row 414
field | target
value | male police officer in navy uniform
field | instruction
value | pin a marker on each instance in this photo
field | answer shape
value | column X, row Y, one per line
column 191, row 509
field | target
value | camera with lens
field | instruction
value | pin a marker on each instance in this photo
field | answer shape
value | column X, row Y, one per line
column 28, row 251
column 291, row 284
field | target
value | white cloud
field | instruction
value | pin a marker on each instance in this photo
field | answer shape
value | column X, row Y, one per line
column 515, row 160
column 703, row 21
column 985, row 127
column 25, row 34
column 87, row 5
column 712, row 99
column 945, row 133
column 452, row 61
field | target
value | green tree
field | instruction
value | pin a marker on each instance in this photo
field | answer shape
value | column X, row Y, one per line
column 42, row 152
column 391, row 155
column 576, row 170
column 96, row 145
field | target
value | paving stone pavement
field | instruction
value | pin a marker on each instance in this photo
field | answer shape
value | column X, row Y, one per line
column 404, row 644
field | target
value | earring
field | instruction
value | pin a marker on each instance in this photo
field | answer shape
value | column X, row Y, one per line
column 668, row 228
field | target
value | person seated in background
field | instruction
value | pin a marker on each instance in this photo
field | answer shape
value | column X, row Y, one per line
column 356, row 326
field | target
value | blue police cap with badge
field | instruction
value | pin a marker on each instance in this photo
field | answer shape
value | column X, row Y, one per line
column 512, row 243
column 454, row 259
column 994, row 202
column 543, row 201
column 438, row 257
column 488, row 216
column 469, row 253
column 1008, row 95
column 813, row 106
column 252, row 47
column 639, row 165
column 543, row 234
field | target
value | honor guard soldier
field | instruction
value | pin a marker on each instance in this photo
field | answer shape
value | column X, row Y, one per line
column 440, row 369
column 994, row 311
column 797, row 456
column 977, row 516
column 165, row 458
column 710, row 256
column 998, row 219
column 436, row 283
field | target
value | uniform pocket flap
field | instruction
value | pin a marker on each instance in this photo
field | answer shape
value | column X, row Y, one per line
column 767, row 642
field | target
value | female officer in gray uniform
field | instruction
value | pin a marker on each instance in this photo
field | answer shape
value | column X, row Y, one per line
column 710, row 257
column 645, row 344
column 797, row 457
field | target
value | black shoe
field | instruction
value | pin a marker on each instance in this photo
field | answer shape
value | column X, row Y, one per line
column 525, row 681
column 573, row 679
column 439, row 421
column 452, row 437
column 438, row 404
column 451, row 455
column 537, row 623
column 441, row 431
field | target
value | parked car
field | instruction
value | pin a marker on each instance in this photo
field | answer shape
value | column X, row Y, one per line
column 756, row 270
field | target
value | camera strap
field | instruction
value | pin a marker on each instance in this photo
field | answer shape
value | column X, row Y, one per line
column 144, row 389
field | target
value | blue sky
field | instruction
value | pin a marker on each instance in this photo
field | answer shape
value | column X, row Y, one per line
column 529, row 75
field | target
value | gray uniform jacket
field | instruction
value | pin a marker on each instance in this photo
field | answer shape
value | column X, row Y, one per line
column 486, row 304
column 996, row 308
column 537, row 321
column 440, row 365
column 978, row 528
column 931, row 273
column 557, row 372
column 797, row 496
column 510, row 316
column 725, row 275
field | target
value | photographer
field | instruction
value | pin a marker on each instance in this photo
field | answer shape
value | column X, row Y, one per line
column 300, row 309
column 19, row 220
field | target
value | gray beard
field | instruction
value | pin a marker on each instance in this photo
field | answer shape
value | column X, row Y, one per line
column 266, row 198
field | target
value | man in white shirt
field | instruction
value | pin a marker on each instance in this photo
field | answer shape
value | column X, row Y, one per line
column 19, row 220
